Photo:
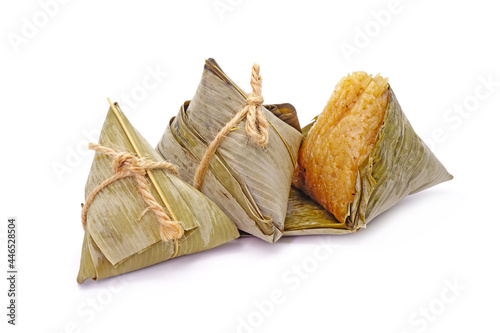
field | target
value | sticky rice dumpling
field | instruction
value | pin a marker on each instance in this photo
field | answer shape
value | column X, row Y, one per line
column 359, row 158
column 137, row 211
column 250, row 182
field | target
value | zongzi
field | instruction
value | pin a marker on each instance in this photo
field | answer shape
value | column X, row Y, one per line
column 138, row 212
column 359, row 158
column 237, row 152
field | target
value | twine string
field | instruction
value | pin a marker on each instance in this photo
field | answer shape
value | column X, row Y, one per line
column 127, row 165
column 256, row 127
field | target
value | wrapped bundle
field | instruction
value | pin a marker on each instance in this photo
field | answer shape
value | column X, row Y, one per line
column 237, row 152
column 359, row 158
column 138, row 212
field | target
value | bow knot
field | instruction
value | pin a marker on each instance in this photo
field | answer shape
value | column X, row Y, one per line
column 254, row 101
column 124, row 162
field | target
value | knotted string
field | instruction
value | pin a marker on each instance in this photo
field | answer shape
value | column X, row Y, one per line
column 127, row 165
column 256, row 127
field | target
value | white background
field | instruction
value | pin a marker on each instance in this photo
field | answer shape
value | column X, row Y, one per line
column 54, row 82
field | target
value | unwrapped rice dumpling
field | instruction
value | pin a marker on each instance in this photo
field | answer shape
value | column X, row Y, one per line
column 138, row 212
column 249, row 179
column 359, row 158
